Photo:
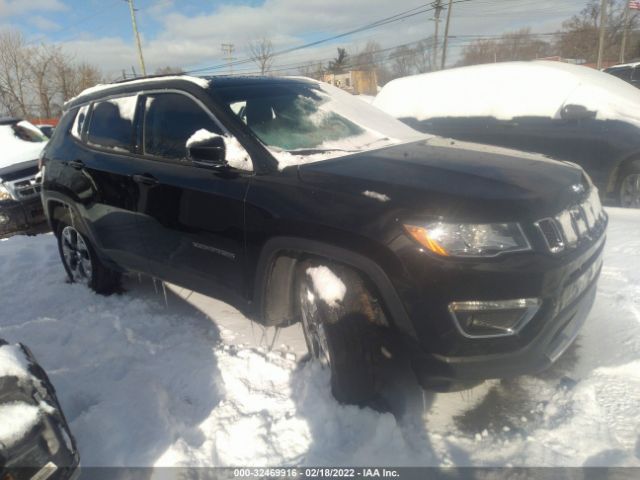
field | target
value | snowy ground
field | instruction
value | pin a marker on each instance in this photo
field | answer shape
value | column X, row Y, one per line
column 144, row 383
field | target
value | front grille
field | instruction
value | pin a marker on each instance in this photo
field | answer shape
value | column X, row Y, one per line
column 24, row 188
column 570, row 227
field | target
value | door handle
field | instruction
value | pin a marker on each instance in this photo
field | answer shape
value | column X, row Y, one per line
column 77, row 164
column 145, row 179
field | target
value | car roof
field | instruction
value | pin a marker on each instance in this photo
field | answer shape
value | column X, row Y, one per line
column 178, row 81
column 510, row 90
column 623, row 65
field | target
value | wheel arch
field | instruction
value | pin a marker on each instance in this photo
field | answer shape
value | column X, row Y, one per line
column 615, row 179
column 275, row 277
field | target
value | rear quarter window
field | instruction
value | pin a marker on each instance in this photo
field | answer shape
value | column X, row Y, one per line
column 79, row 122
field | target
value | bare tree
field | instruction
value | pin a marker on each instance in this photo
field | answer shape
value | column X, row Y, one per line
column 424, row 55
column 14, row 73
column 579, row 37
column 403, row 61
column 262, row 54
column 168, row 70
column 36, row 80
column 312, row 70
column 519, row 45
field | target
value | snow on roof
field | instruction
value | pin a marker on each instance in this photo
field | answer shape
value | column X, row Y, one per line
column 510, row 90
column 202, row 82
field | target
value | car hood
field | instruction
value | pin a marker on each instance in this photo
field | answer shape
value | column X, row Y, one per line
column 19, row 151
column 458, row 180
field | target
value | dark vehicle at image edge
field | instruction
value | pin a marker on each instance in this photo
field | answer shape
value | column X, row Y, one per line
column 464, row 264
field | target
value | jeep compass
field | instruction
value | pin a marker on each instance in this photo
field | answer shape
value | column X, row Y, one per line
column 297, row 202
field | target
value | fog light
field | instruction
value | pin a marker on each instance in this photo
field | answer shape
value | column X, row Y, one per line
column 4, row 219
column 493, row 319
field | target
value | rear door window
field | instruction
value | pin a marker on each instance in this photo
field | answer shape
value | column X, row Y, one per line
column 170, row 120
column 112, row 123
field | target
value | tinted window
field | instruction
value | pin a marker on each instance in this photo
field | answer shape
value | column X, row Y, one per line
column 623, row 72
column 170, row 120
column 111, row 123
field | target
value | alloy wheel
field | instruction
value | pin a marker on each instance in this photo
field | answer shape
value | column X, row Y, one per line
column 314, row 329
column 76, row 255
column 630, row 191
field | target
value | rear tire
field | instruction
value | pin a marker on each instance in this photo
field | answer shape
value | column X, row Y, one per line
column 81, row 262
column 343, row 337
column 629, row 193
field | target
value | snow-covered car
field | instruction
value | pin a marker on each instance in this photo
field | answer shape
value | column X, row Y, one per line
column 567, row 112
column 297, row 202
column 20, row 205
column 629, row 72
column 35, row 441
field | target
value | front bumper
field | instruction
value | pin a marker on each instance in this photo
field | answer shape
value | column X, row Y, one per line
column 24, row 217
column 567, row 287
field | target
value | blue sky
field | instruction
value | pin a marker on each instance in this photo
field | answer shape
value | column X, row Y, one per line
column 188, row 33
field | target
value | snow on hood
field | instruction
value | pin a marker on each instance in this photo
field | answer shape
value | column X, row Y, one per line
column 508, row 90
column 15, row 150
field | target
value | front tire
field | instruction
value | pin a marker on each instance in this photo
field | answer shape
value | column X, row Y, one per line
column 81, row 262
column 343, row 336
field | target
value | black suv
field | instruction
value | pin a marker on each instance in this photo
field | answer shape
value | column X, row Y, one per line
column 295, row 201
column 20, row 206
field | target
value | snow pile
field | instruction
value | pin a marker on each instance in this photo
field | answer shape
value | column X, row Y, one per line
column 13, row 362
column 16, row 419
column 15, row 150
column 509, row 90
column 235, row 154
column 327, row 284
column 142, row 383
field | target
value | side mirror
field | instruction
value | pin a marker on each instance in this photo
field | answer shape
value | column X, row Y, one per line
column 208, row 153
column 576, row 112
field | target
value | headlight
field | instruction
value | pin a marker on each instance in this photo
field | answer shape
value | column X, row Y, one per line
column 4, row 193
column 469, row 240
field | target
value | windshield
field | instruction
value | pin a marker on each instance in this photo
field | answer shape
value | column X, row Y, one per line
column 305, row 119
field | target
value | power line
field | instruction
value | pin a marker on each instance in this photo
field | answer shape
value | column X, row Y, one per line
column 384, row 21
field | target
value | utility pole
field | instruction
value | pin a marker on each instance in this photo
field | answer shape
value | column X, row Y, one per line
column 438, row 9
column 625, row 35
column 446, row 35
column 603, row 31
column 137, row 35
column 227, row 49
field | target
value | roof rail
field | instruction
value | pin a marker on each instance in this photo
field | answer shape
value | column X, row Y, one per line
column 146, row 77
